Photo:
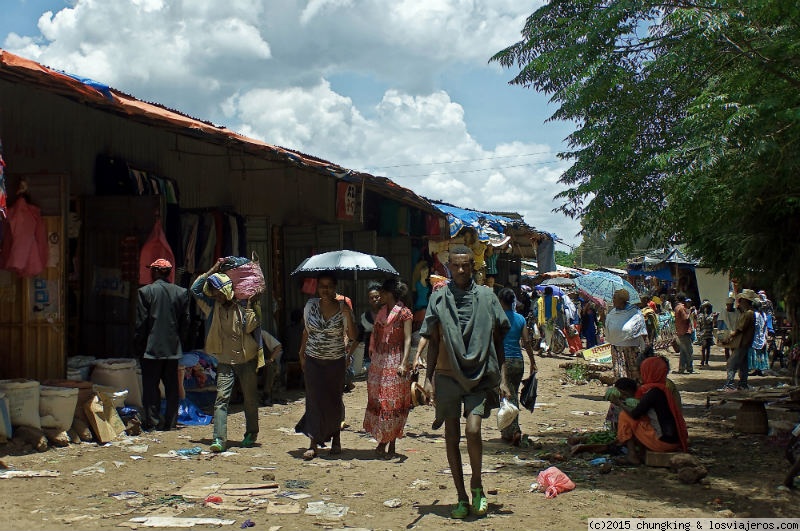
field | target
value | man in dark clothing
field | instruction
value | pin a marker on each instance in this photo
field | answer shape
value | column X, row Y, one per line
column 162, row 321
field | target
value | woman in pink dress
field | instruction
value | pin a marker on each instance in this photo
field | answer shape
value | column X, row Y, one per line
column 388, row 384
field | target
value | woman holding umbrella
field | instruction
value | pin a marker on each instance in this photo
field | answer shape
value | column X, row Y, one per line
column 323, row 360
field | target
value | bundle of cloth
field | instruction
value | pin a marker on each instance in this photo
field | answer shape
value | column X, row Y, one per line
column 245, row 274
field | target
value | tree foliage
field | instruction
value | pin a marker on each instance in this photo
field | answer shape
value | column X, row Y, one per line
column 688, row 124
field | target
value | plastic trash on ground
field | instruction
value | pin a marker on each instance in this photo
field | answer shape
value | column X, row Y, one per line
column 553, row 482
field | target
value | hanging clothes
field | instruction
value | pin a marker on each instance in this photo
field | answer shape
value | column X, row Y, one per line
column 3, row 195
column 25, row 246
column 154, row 248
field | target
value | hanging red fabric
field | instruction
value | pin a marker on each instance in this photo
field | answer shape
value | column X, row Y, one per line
column 154, row 248
column 25, row 247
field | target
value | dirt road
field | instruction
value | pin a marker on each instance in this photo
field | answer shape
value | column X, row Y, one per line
column 413, row 491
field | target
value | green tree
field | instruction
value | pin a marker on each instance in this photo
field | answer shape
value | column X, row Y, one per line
column 687, row 118
column 565, row 259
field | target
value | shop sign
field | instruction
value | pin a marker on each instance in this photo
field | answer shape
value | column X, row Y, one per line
column 345, row 201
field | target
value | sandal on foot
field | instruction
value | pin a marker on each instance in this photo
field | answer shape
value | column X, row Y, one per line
column 480, row 505
column 309, row 454
column 460, row 510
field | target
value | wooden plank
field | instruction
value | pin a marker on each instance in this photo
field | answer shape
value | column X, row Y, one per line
column 201, row 487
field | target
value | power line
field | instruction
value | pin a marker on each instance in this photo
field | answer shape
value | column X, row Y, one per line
column 463, row 160
column 474, row 171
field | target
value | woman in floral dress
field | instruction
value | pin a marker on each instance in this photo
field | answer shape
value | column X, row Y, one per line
column 388, row 384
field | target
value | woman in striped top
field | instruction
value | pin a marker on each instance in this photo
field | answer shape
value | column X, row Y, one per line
column 323, row 360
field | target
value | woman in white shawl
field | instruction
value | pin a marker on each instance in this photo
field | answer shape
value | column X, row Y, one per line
column 627, row 333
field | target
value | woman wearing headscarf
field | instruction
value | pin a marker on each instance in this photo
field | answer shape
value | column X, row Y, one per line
column 323, row 360
column 388, row 385
column 657, row 422
column 626, row 331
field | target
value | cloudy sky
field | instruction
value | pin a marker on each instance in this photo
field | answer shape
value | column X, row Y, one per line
column 400, row 89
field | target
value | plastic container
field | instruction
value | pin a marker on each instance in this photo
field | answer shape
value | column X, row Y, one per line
column 120, row 374
column 23, row 402
column 57, row 406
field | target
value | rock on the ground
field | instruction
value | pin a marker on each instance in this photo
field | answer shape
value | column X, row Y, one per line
column 692, row 474
column 680, row 461
column 32, row 436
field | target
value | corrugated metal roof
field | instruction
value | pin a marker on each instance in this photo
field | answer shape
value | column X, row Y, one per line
column 94, row 94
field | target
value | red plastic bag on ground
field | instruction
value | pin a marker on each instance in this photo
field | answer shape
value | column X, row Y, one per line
column 553, row 481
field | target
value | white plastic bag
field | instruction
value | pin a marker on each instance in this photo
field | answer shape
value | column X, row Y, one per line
column 506, row 414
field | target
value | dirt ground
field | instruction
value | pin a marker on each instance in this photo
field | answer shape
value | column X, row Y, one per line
column 744, row 470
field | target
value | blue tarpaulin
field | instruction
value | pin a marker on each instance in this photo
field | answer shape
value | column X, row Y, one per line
column 458, row 218
column 662, row 274
column 105, row 90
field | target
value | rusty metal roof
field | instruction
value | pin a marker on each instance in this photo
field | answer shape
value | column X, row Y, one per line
column 98, row 96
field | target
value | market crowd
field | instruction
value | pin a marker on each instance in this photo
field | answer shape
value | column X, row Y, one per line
column 472, row 336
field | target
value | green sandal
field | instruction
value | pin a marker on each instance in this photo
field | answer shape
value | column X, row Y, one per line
column 461, row 510
column 480, row 505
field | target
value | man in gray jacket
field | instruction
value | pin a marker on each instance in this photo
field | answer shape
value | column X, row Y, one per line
column 162, row 319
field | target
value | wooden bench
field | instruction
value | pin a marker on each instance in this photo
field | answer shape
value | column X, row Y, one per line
column 752, row 414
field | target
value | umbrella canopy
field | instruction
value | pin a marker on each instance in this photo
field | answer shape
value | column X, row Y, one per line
column 601, row 286
column 556, row 290
column 559, row 281
column 346, row 265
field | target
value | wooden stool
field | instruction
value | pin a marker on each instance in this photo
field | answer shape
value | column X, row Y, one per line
column 752, row 417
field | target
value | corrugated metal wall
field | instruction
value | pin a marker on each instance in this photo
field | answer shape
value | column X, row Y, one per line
column 45, row 132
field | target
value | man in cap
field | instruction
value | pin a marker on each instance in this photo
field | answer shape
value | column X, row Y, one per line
column 162, row 320
column 232, row 336
column 741, row 339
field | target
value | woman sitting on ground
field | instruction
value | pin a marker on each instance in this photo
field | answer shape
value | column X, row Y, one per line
column 663, row 432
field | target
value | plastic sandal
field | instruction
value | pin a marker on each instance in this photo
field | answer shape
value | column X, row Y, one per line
column 480, row 505
column 460, row 510
column 217, row 446
column 249, row 440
